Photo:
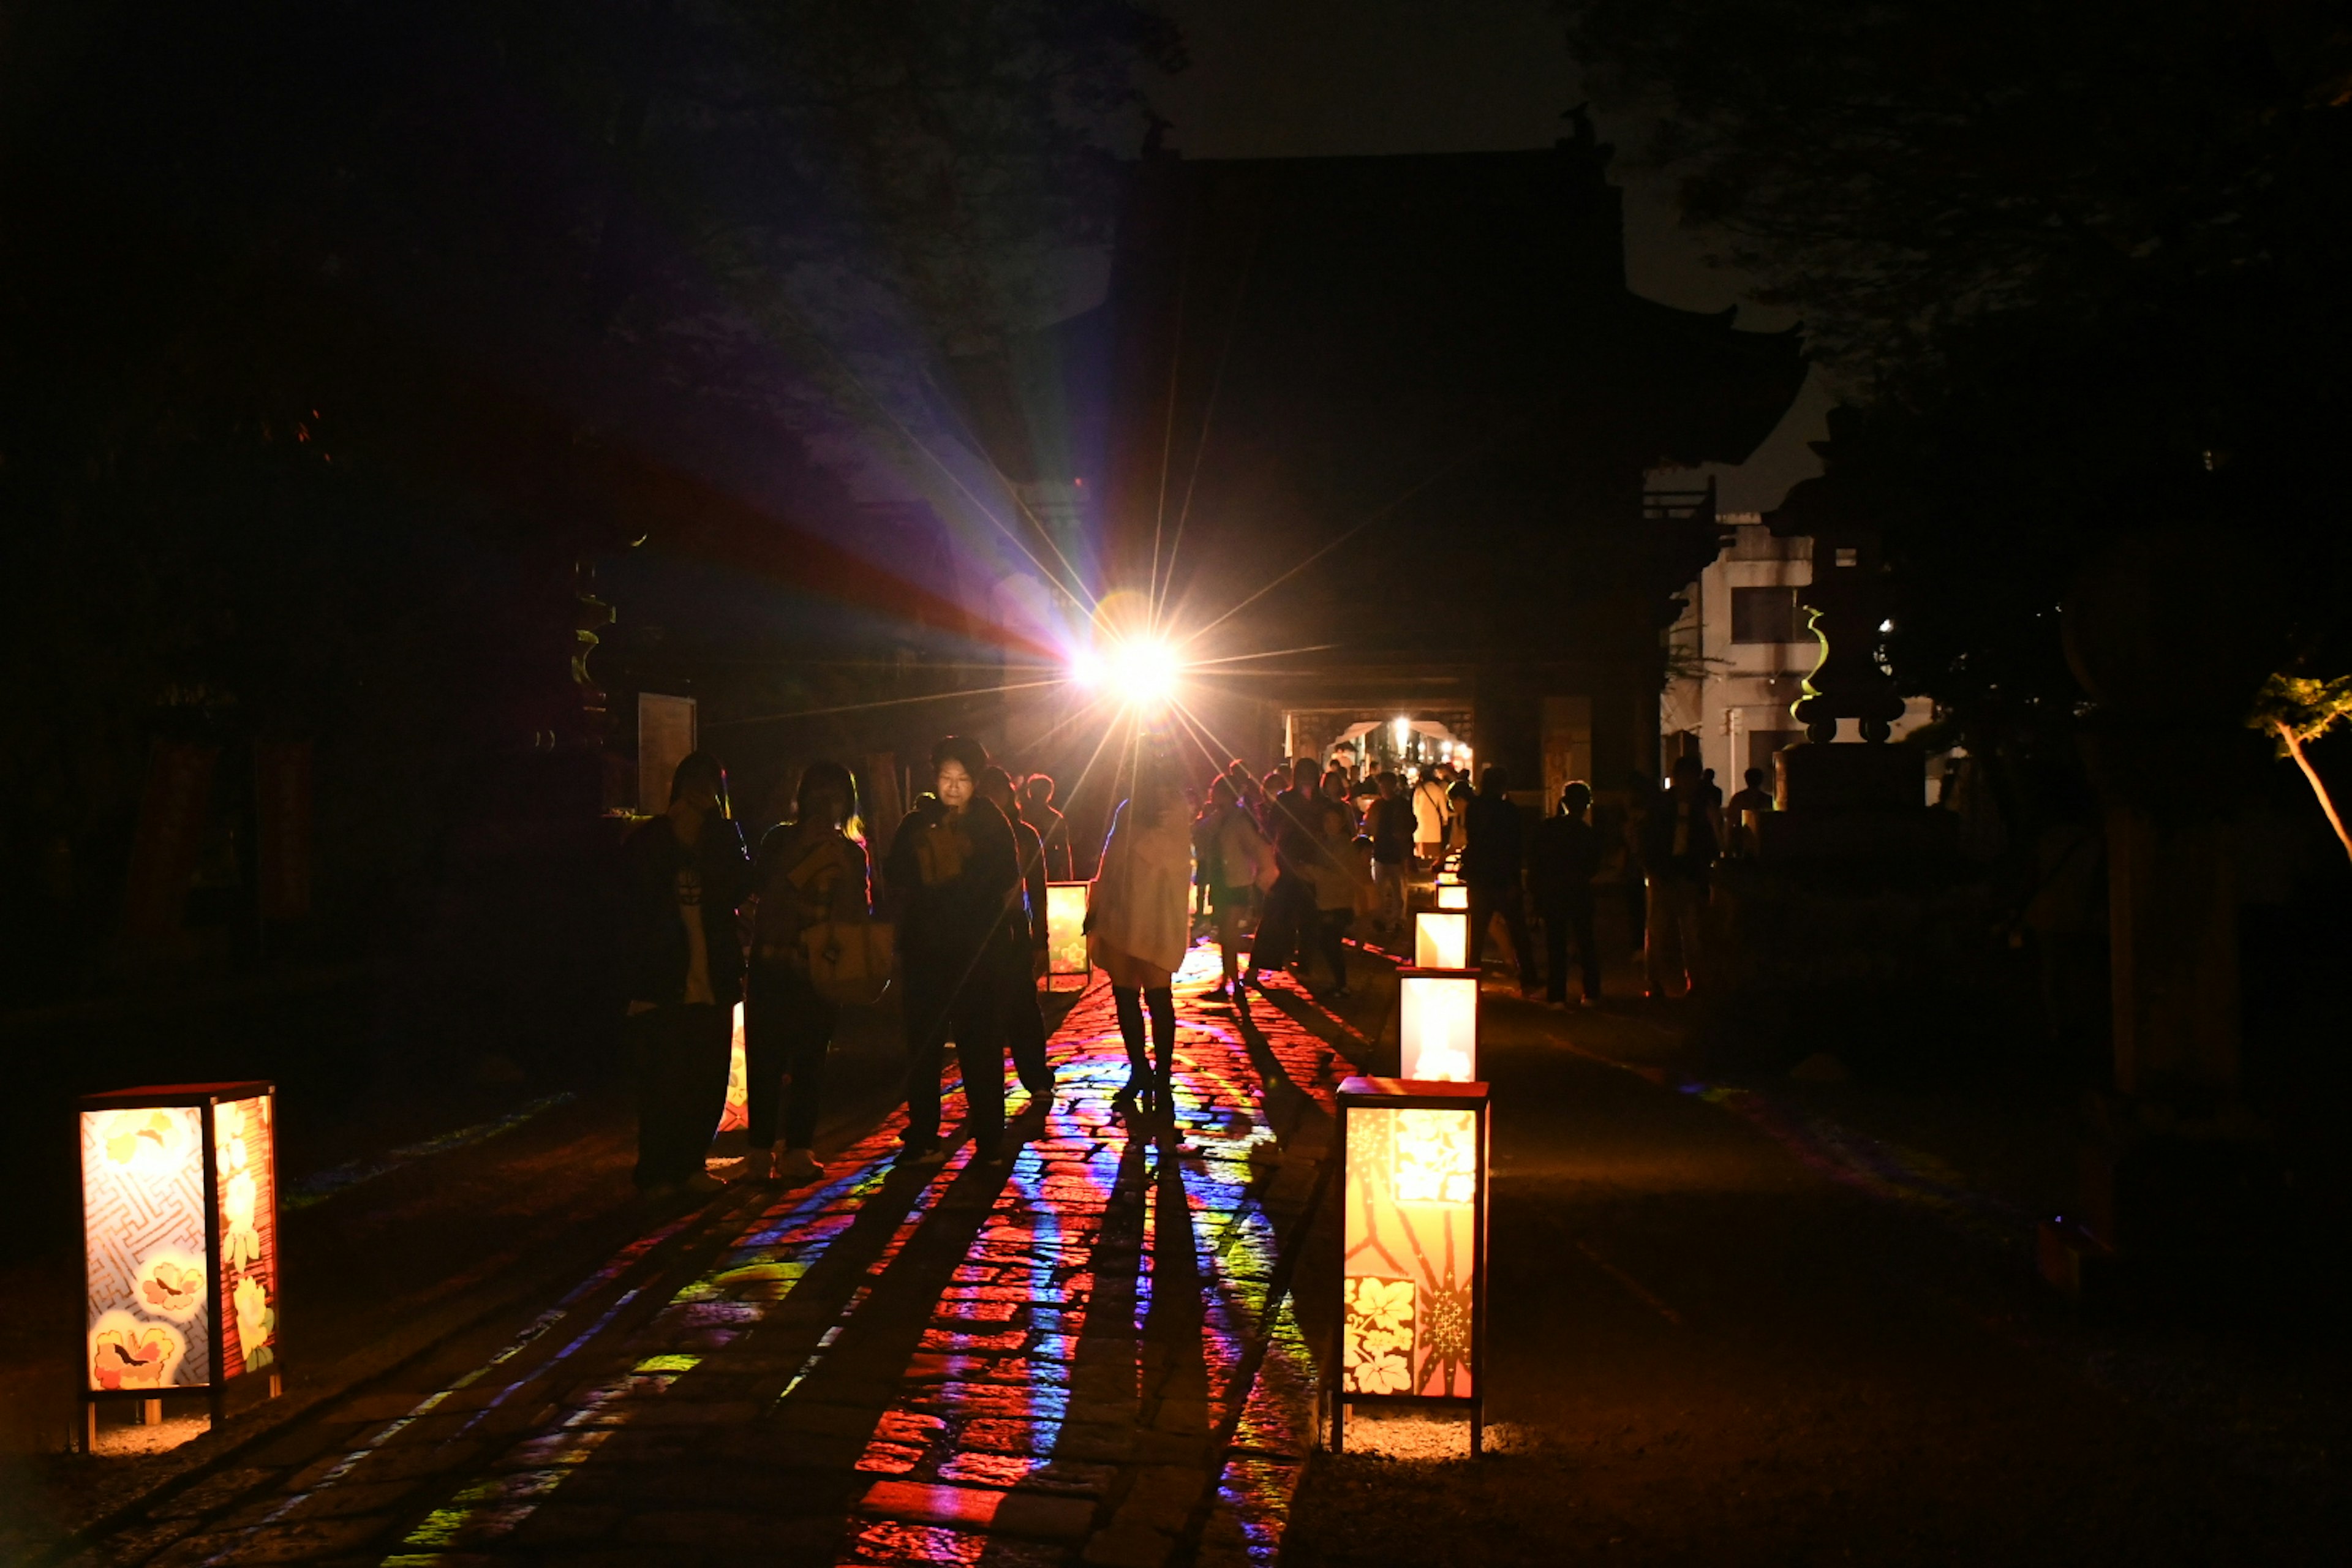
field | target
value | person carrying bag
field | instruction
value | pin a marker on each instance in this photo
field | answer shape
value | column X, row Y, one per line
column 815, row 948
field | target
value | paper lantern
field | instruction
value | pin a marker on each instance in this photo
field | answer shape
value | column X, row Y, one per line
column 1453, row 896
column 1413, row 1272
column 1441, row 939
column 736, row 1113
column 178, row 1199
column 1065, row 933
column 1437, row 1024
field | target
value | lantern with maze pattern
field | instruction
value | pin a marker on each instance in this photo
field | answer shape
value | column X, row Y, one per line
column 1065, row 935
column 179, row 1189
column 1412, row 1271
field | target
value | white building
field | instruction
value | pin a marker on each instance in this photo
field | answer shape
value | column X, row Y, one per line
column 1738, row 657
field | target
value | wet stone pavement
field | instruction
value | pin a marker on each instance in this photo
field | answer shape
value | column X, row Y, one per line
column 1083, row 1353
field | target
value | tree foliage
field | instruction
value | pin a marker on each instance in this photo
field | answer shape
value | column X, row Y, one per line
column 337, row 332
column 1894, row 168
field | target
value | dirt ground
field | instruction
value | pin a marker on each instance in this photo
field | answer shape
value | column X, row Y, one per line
column 1730, row 1326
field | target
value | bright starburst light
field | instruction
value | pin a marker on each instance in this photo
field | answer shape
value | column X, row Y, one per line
column 1138, row 671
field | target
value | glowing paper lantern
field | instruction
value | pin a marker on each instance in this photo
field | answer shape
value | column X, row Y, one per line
column 1412, row 1273
column 1437, row 1024
column 1441, row 939
column 1065, row 933
column 736, row 1112
column 1453, row 896
column 179, row 1196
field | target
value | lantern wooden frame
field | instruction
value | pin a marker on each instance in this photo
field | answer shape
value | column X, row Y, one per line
column 1430, row 939
column 1065, row 937
column 1418, row 990
column 1360, row 1144
column 119, row 1291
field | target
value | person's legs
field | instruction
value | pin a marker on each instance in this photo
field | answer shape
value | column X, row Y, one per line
column 1388, row 881
column 1229, row 937
column 691, row 1091
column 647, row 1035
column 767, row 1036
column 1555, row 925
column 926, row 1016
column 1523, row 947
column 1691, row 907
column 980, row 1059
column 809, row 1034
column 1654, row 964
column 1588, row 953
column 1331, row 927
column 1162, row 1003
column 1025, row 1024
column 1128, row 1002
column 1277, row 928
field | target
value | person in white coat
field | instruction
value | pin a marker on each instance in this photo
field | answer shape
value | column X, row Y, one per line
column 1138, row 921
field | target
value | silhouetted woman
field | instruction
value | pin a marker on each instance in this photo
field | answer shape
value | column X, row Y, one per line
column 687, row 874
column 1139, row 921
column 954, row 877
column 810, row 871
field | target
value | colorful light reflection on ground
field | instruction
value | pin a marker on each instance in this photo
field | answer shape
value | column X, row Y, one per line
column 1084, row 1353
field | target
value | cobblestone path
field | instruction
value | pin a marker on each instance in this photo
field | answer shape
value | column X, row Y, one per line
column 1083, row 1353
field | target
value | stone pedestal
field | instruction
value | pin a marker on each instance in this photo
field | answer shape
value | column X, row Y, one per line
column 1853, row 803
column 2181, row 1185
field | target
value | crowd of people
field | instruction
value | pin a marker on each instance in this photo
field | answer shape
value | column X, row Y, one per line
column 1281, row 865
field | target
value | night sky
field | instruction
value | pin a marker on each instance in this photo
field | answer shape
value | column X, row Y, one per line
column 1320, row 77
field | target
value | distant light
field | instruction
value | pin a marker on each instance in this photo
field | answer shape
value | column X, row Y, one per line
column 1403, row 730
column 1886, row 626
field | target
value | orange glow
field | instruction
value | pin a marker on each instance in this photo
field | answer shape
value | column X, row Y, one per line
column 1411, row 1274
column 1066, row 921
column 1441, row 939
column 1453, row 896
column 1437, row 1024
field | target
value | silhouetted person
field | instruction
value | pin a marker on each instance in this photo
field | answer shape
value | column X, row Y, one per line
column 1567, row 854
column 1023, row 959
column 1138, row 922
column 1234, row 855
column 1389, row 824
column 1295, row 819
column 1492, row 856
column 809, row 873
column 955, row 879
column 1742, row 813
column 1678, row 847
column 1052, row 830
column 687, row 874
column 1432, row 812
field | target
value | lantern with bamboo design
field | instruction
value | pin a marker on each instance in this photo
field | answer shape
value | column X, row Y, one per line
column 1413, row 1272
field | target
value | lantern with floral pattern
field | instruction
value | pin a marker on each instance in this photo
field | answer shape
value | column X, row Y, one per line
column 179, row 1188
column 1413, row 1272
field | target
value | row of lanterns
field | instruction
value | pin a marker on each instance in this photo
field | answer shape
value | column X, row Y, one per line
column 180, row 1208
column 1412, row 1273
